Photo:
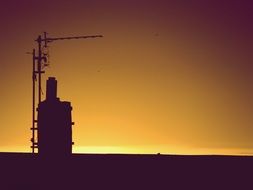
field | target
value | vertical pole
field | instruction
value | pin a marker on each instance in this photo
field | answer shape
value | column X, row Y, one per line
column 39, row 71
column 39, row 67
column 36, row 70
column 33, row 102
column 45, row 38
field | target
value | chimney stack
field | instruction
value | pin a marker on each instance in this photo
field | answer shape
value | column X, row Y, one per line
column 51, row 93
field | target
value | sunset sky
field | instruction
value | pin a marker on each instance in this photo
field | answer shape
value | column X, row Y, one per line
column 168, row 76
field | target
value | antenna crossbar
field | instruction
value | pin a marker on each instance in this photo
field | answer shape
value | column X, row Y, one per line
column 71, row 38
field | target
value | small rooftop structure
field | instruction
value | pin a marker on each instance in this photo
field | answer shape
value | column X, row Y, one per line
column 54, row 124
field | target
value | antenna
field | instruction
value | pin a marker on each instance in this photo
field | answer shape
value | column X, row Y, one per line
column 40, row 61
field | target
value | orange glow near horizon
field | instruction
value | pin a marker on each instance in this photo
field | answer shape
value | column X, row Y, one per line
column 167, row 77
column 143, row 150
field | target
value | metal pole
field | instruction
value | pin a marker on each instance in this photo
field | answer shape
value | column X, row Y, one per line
column 39, row 67
column 33, row 102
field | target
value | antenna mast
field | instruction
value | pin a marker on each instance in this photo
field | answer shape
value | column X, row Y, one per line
column 39, row 62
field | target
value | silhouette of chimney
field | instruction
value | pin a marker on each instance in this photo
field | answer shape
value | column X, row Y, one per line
column 54, row 124
column 51, row 93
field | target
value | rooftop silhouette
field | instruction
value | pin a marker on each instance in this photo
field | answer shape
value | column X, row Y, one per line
column 140, row 172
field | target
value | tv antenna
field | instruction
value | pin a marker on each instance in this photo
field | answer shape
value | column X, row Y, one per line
column 40, row 61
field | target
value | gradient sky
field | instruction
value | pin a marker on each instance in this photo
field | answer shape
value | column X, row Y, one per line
column 168, row 76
